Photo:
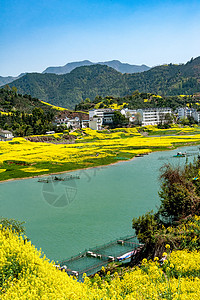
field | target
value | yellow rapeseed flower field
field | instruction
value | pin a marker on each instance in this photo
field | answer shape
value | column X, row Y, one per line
column 26, row 274
column 90, row 148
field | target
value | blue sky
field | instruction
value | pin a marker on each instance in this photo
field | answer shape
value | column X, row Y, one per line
column 37, row 34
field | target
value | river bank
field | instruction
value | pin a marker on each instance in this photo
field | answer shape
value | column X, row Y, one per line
column 98, row 163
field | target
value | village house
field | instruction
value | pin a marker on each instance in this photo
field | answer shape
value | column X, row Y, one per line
column 74, row 120
column 6, row 135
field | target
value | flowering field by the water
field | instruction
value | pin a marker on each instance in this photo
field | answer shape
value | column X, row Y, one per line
column 25, row 275
column 22, row 158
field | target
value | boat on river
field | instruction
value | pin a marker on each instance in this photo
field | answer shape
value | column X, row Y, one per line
column 56, row 178
column 180, row 154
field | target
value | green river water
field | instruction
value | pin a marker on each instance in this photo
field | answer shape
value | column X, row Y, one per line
column 64, row 218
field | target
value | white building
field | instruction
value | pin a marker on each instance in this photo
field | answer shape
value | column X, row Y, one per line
column 74, row 123
column 129, row 114
column 96, row 113
column 185, row 112
column 95, row 123
column 62, row 120
column 99, row 117
column 6, row 135
column 196, row 116
column 153, row 116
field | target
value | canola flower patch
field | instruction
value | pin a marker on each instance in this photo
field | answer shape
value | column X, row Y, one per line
column 54, row 107
column 34, row 170
column 186, row 235
column 27, row 274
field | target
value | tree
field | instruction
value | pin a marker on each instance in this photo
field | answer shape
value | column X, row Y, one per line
column 178, row 194
column 119, row 119
column 87, row 100
column 138, row 118
column 180, row 201
column 184, row 121
column 145, row 226
column 14, row 89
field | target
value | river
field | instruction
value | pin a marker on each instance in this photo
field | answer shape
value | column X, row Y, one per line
column 64, row 218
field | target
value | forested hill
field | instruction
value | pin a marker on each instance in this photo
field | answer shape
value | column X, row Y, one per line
column 10, row 101
column 89, row 81
column 69, row 89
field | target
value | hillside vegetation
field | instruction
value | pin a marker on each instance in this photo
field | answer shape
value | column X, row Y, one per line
column 24, row 115
column 140, row 100
column 89, row 81
column 11, row 101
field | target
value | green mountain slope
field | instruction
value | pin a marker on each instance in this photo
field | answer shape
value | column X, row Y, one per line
column 12, row 101
column 69, row 89
column 89, row 81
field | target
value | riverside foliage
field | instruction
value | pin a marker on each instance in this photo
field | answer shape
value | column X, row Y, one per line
column 22, row 158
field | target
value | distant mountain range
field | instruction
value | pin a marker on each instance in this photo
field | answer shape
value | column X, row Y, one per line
column 89, row 81
column 115, row 64
column 8, row 79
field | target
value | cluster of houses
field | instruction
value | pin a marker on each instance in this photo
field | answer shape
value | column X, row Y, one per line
column 72, row 120
column 148, row 116
column 98, row 118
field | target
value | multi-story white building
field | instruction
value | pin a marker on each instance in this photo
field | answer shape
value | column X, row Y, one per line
column 196, row 116
column 99, row 117
column 185, row 112
column 153, row 116
column 95, row 123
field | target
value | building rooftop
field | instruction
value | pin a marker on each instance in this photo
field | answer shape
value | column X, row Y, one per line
column 5, row 131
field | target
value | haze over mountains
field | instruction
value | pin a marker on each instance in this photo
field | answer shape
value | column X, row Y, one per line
column 115, row 64
column 89, row 81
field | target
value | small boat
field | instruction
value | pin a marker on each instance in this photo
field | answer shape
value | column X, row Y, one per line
column 56, row 178
column 44, row 180
column 180, row 154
